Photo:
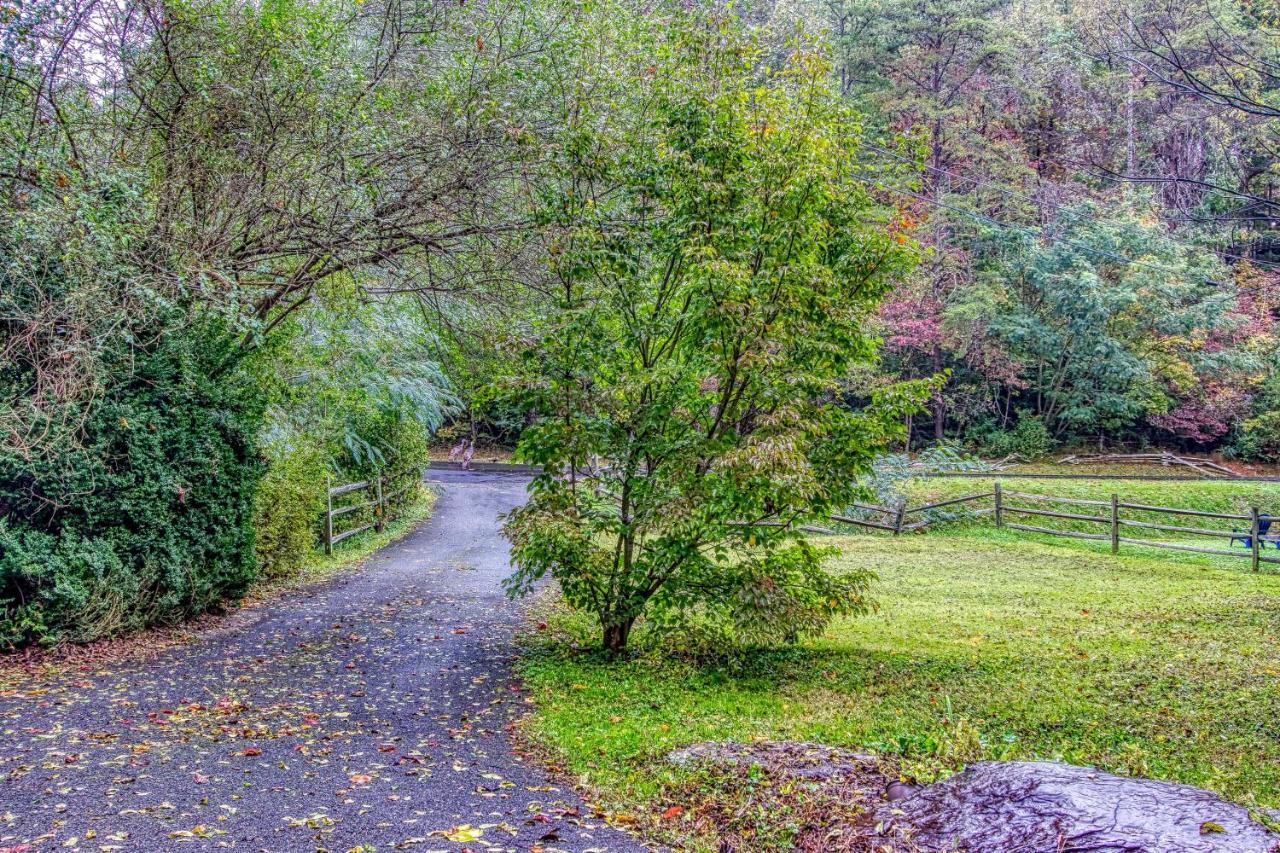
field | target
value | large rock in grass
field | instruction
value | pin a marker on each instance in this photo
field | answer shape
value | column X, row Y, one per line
column 1044, row 806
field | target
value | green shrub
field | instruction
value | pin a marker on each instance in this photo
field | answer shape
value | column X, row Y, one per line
column 74, row 577
column 147, row 518
column 287, row 508
column 1029, row 439
column 402, row 449
column 1259, row 438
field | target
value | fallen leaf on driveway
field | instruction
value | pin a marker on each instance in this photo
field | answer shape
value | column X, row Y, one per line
column 461, row 834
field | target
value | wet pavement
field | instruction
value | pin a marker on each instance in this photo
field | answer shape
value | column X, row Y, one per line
column 370, row 712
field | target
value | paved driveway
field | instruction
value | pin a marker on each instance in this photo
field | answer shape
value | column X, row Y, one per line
column 370, row 710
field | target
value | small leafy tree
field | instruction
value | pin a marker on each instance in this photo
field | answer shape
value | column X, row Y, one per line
column 715, row 259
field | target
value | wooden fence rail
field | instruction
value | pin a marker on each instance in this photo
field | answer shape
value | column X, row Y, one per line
column 378, row 501
column 894, row 520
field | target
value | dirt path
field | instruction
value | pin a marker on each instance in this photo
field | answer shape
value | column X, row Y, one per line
column 371, row 710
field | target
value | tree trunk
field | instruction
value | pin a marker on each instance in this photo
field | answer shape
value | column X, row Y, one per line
column 615, row 636
column 939, row 404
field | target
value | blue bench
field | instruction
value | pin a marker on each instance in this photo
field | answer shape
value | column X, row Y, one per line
column 1264, row 526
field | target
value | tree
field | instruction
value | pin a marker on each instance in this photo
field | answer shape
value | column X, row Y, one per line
column 936, row 72
column 281, row 150
column 1114, row 320
column 177, row 181
column 347, row 379
column 717, row 257
column 1209, row 72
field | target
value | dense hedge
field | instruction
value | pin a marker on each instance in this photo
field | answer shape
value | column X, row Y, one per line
column 148, row 518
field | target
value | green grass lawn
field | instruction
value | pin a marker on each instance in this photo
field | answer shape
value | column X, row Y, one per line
column 1233, row 498
column 986, row 645
column 1207, row 495
column 1140, row 469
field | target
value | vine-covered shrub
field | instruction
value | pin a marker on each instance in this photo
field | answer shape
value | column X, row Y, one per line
column 147, row 518
column 287, row 509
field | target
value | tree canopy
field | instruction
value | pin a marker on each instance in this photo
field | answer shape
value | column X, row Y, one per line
column 717, row 257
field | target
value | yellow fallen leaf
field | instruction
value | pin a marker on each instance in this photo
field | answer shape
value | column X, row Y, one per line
column 461, row 834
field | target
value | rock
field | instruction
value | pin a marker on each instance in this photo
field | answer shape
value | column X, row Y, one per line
column 1047, row 806
column 900, row 791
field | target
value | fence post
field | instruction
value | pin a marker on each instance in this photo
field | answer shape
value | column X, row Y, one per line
column 1115, row 524
column 1253, row 536
column 897, row 519
column 328, row 514
column 999, row 506
column 382, row 508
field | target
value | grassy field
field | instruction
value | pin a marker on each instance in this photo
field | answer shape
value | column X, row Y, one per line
column 1233, row 498
column 1050, row 466
column 1210, row 496
column 987, row 645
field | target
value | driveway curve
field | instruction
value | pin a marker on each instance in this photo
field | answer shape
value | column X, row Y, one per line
column 369, row 713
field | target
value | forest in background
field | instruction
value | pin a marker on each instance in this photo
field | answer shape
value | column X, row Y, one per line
column 249, row 247
column 1096, row 184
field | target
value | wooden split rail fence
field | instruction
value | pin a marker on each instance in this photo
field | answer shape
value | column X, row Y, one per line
column 378, row 501
column 1109, row 515
column 895, row 520
column 1204, row 467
